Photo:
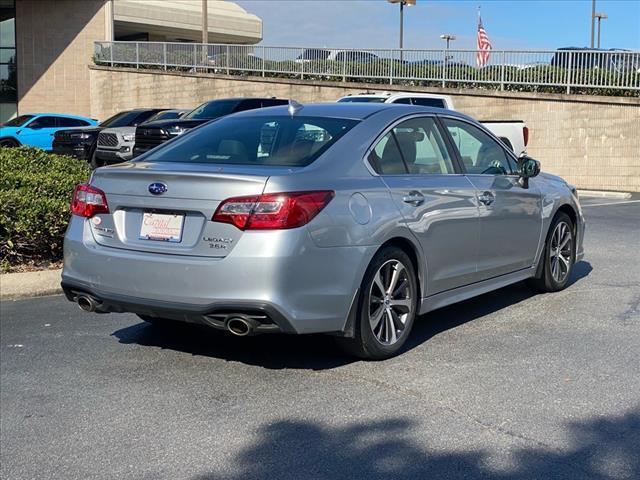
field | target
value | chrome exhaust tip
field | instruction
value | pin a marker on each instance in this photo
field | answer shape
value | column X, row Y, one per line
column 87, row 303
column 239, row 326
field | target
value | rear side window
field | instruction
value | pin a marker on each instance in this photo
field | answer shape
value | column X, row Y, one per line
column 428, row 102
column 71, row 122
column 413, row 147
column 363, row 99
column 261, row 140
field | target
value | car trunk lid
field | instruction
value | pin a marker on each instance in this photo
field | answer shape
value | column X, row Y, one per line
column 176, row 218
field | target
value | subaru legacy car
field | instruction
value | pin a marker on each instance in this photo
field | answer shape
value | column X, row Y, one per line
column 38, row 129
column 157, row 132
column 348, row 218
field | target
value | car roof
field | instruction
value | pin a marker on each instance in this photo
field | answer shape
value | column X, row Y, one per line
column 243, row 98
column 64, row 115
column 350, row 110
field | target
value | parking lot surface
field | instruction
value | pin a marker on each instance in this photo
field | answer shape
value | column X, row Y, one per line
column 510, row 385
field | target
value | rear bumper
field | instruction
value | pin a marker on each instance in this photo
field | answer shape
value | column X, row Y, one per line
column 268, row 318
column 300, row 287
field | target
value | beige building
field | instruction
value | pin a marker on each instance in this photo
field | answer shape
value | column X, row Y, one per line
column 47, row 45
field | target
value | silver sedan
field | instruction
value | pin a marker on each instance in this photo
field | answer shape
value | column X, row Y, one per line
column 348, row 219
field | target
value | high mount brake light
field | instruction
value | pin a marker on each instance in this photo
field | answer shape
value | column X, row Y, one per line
column 272, row 211
column 88, row 201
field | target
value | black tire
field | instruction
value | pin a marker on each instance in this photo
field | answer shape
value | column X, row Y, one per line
column 9, row 143
column 366, row 344
column 545, row 280
column 95, row 162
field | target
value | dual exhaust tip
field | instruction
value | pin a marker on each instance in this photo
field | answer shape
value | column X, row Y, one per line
column 241, row 326
column 87, row 303
column 236, row 325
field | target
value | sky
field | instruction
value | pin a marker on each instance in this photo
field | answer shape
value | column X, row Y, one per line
column 511, row 25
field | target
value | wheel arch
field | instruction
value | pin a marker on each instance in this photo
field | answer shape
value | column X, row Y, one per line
column 12, row 139
column 412, row 250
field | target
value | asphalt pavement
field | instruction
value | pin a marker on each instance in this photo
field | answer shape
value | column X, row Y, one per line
column 510, row 385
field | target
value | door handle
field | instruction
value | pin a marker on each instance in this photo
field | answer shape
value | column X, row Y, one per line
column 486, row 198
column 414, row 198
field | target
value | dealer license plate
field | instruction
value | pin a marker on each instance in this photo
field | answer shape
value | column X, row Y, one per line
column 162, row 227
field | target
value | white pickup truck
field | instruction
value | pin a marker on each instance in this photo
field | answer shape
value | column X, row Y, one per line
column 513, row 133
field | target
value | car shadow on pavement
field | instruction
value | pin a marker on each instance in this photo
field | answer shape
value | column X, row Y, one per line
column 316, row 352
column 605, row 447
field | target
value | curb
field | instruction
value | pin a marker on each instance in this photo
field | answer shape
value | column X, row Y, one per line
column 603, row 194
column 30, row 284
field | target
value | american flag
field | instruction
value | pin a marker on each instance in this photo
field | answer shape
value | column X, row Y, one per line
column 484, row 45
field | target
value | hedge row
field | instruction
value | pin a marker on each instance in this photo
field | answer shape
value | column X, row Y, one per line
column 35, row 192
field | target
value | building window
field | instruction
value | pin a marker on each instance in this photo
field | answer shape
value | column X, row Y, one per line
column 8, row 64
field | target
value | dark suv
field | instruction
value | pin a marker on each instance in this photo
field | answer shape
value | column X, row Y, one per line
column 81, row 142
column 152, row 134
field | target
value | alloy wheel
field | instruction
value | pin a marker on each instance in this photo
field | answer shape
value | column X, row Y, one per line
column 390, row 302
column 561, row 251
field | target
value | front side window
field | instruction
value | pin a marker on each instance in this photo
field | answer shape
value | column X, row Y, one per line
column 43, row 122
column 481, row 154
column 261, row 140
column 413, row 147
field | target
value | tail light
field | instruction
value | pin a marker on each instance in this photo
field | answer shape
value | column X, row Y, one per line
column 525, row 135
column 88, row 201
column 272, row 211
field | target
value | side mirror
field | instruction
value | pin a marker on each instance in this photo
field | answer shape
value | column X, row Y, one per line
column 527, row 168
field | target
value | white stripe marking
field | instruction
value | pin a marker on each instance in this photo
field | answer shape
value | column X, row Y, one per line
column 610, row 203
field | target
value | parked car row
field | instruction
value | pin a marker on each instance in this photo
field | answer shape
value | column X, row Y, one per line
column 133, row 132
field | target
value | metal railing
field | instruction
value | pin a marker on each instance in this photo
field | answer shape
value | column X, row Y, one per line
column 565, row 70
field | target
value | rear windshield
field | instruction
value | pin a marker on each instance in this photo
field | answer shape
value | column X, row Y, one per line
column 127, row 119
column 363, row 99
column 165, row 115
column 213, row 109
column 18, row 121
column 260, row 140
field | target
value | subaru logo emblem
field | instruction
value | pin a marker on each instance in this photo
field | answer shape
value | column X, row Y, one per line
column 157, row 188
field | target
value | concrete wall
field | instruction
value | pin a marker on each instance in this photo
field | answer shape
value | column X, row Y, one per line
column 54, row 49
column 593, row 142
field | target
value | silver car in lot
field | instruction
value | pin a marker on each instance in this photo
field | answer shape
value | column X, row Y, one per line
column 343, row 218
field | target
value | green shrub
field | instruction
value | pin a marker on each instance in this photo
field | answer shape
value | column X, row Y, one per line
column 35, row 191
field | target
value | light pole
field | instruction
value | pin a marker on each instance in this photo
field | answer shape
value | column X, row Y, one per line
column 593, row 19
column 448, row 38
column 600, row 16
column 402, row 4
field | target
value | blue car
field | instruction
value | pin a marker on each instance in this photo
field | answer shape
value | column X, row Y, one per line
column 37, row 129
